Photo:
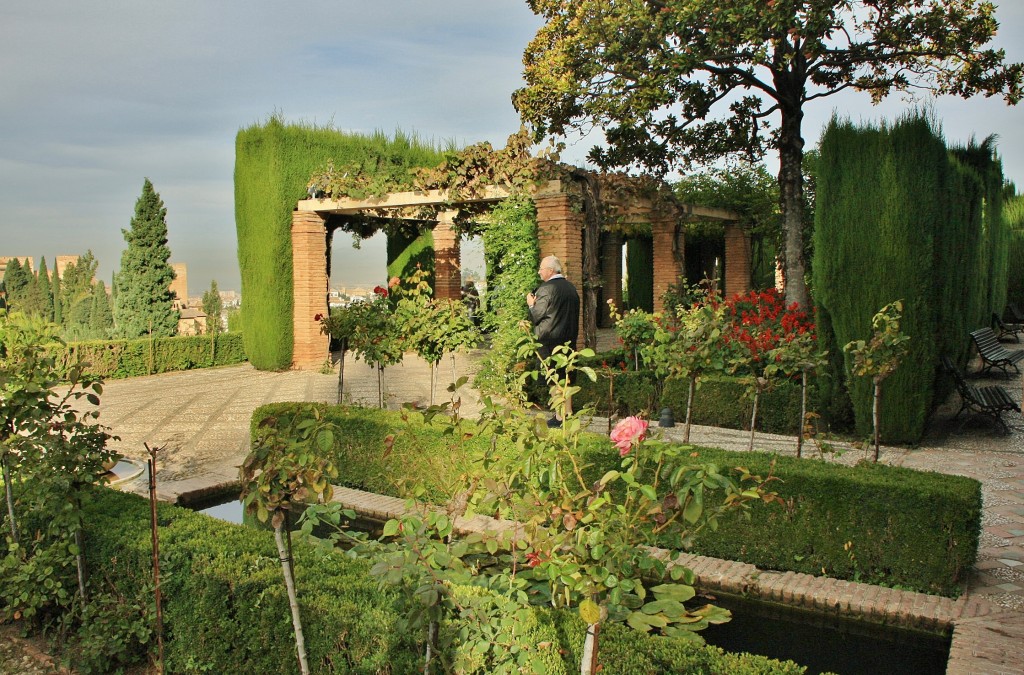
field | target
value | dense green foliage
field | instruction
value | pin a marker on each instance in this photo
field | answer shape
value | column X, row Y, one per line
column 113, row 359
column 225, row 609
column 101, row 316
column 639, row 292
column 673, row 83
column 407, row 251
column 16, row 279
column 915, row 529
column 744, row 188
column 926, row 240
column 1013, row 211
column 273, row 165
column 52, row 452
column 512, row 255
column 144, row 302
column 75, row 301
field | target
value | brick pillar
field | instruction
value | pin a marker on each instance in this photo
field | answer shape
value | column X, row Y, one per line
column 666, row 269
column 447, row 262
column 611, row 276
column 560, row 233
column 309, row 295
column 737, row 259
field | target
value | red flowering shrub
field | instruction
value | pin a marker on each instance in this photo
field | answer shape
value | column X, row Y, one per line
column 761, row 322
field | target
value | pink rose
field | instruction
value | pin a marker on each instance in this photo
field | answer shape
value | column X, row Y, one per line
column 627, row 432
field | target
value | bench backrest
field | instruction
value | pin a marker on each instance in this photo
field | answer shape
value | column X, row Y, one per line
column 963, row 387
column 987, row 342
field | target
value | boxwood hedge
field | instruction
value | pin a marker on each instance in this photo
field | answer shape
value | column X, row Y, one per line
column 874, row 523
column 226, row 611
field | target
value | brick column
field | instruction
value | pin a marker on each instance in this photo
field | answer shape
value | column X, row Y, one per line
column 560, row 233
column 611, row 276
column 447, row 262
column 309, row 294
column 737, row 259
column 666, row 270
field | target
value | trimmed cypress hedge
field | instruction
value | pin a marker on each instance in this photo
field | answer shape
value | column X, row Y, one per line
column 273, row 165
column 900, row 216
column 915, row 529
column 225, row 609
column 114, row 359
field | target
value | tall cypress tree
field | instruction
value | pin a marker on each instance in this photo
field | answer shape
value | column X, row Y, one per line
column 144, row 298
column 58, row 307
column 45, row 290
column 101, row 319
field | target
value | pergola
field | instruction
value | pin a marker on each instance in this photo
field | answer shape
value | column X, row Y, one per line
column 560, row 226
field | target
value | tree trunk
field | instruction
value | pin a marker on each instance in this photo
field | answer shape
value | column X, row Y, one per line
column 433, row 379
column 80, row 559
column 588, row 664
column 591, row 256
column 341, row 372
column 431, row 639
column 753, row 419
column 689, row 409
column 293, row 602
column 803, row 413
column 875, row 417
column 791, row 186
column 9, row 491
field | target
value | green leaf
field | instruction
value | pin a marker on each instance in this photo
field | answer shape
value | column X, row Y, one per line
column 390, row 528
column 676, row 592
column 590, row 612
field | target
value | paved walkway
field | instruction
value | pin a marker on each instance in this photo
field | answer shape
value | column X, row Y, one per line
column 201, row 419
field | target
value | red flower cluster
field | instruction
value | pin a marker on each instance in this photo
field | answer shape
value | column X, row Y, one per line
column 760, row 321
column 318, row 317
column 381, row 291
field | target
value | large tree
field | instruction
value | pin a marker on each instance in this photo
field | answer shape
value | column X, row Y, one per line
column 673, row 82
column 144, row 301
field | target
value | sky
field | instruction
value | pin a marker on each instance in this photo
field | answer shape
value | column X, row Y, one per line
column 97, row 96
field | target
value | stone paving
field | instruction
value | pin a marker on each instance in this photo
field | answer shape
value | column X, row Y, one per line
column 201, row 420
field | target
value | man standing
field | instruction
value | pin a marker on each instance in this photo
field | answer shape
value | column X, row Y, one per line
column 555, row 313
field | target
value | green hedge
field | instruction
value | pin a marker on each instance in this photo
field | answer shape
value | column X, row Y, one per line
column 918, row 530
column 226, row 611
column 113, row 359
column 718, row 401
column 273, row 165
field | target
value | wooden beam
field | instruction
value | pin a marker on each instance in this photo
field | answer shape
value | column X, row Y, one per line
column 412, row 199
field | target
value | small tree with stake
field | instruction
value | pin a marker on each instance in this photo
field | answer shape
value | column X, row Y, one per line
column 284, row 470
column 880, row 357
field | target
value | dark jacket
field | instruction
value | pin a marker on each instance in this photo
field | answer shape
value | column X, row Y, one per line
column 556, row 313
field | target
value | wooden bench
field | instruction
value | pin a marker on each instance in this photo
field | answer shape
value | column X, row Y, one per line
column 993, row 354
column 991, row 400
column 1002, row 328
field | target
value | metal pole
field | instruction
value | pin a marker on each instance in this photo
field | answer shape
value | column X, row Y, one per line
column 156, row 557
